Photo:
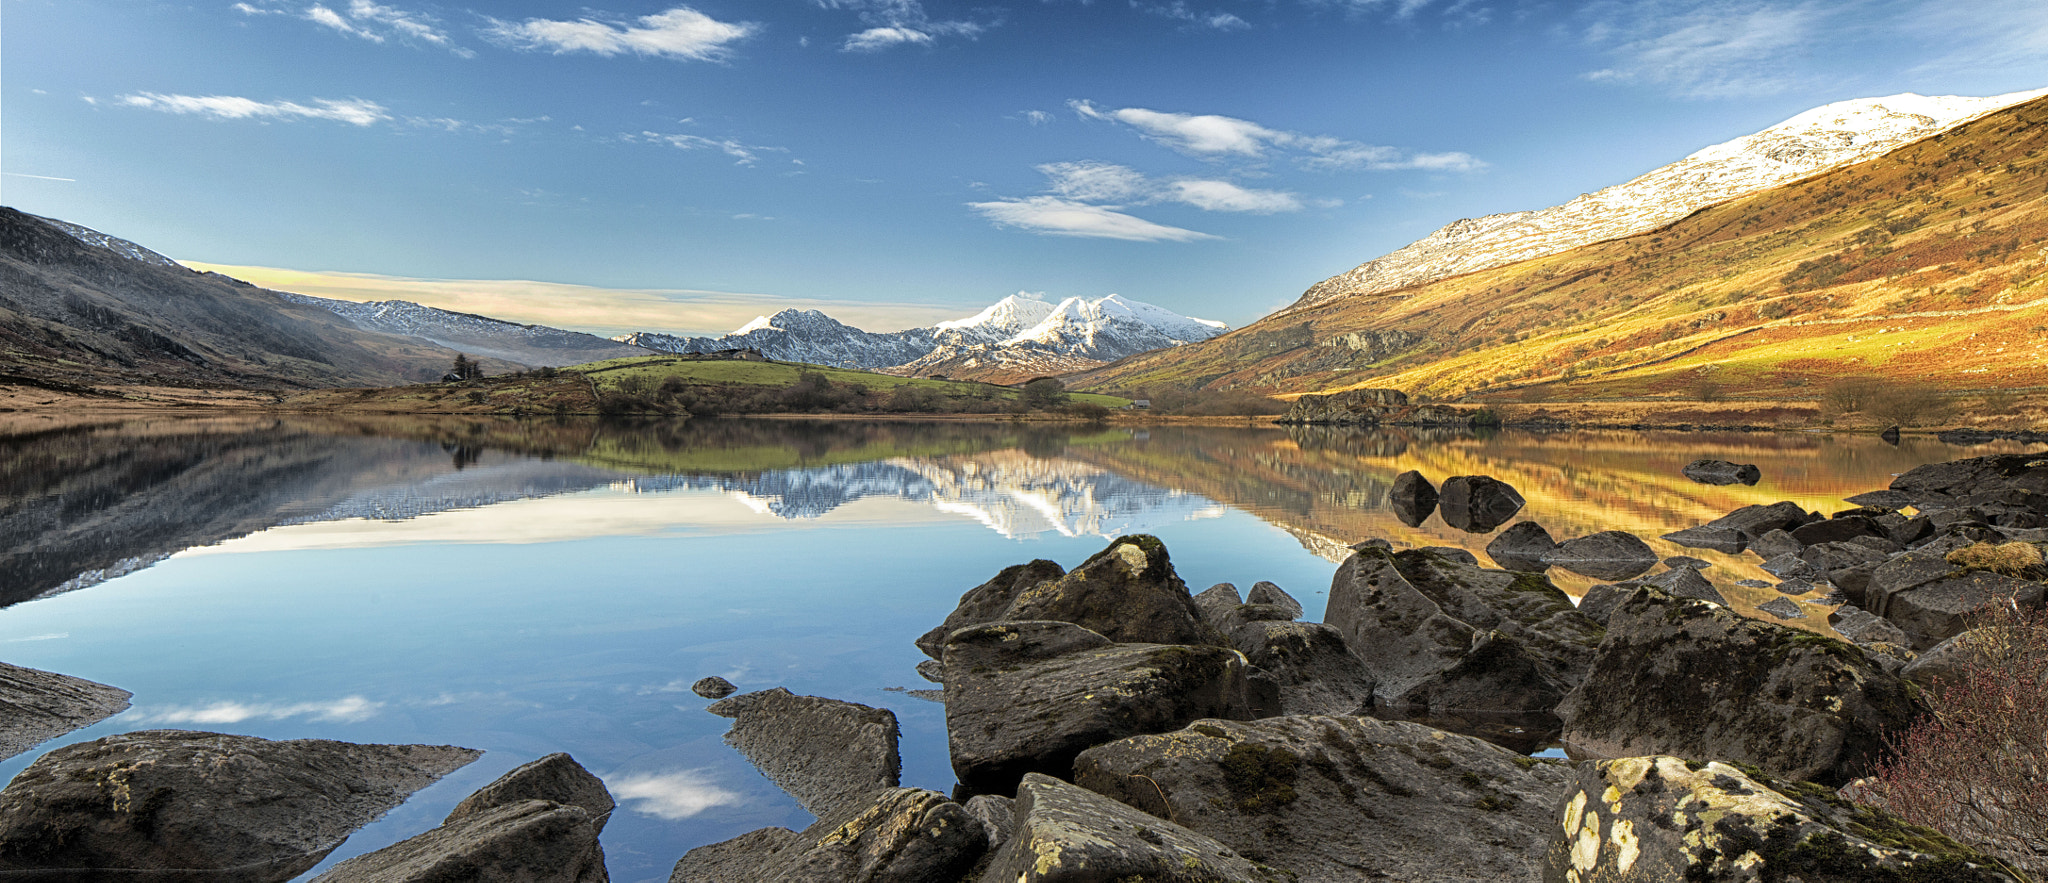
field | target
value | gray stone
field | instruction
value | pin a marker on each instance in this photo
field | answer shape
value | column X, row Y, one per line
column 1775, row 544
column 1066, row 833
column 43, row 705
column 1782, row 608
column 1707, row 471
column 1521, row 547
column 162, row 800
column 1796, row 587
column 1752, row 584
column 997, row 815
column 1861, row 627
column 1477, row 503
column 1412, row 498
column 1128, row 593
column 989, row 601
column 1950, row 660
column 1268, row 594
column 824, row 752
column 1733, row 532
column 713, row 688
column 1609, row 555
column 1677, row 561
column 1929, row 598
column 1837, row 530
column 1685, row 582
column 901, row 834
column 1340, row 798
column 1028, row 696
column 1686, row 677
column 1315, row 672
column 1453, row 554
column 1217, row 603
column 1792, row 567
column 1656, row 819
column 932, row 670
column 1437, row 634
column 556, row 778
column 738, row 860
column 2015, row 478
column 525, row 840
column 1600, row 600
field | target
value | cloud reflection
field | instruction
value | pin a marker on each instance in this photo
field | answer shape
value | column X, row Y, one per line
column 349, row 709
column 673, row 795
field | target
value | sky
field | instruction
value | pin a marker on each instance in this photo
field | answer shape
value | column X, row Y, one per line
column 681, row 168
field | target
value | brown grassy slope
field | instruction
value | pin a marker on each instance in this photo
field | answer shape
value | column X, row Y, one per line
column 1925, row 263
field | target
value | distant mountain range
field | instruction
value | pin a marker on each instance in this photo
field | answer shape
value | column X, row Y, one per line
column 531, row 345
column 1014, row 339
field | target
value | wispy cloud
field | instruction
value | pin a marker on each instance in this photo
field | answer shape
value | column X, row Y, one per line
column 349, row 709
column 363, row 20
column 671, row 796
column 1214, row 19
column 893, row 23
column 39, row 177
column 680, row 32
column 354, row 111
column 1054, row 216
column 743, row 154
column 1110, row 183
column 1217, row 137
column 1708, row 48
column 1997, row 35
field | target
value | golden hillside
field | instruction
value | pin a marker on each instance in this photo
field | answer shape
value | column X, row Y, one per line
column 1926, row 263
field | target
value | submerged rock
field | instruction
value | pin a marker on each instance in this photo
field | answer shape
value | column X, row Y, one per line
column 713, row 688
column 1733, row 532
column 1709, row 471
column 1609, row 554
column 1068, row 833
column 237, row 807
column 43, row 705
column 1477, row 503
column 1412, row 498
column 1686, row 677
column 824, row 752
column 1655, row 819
column 526, row 840
column 1340, row 798
column 901, row 834
column 1028, row 696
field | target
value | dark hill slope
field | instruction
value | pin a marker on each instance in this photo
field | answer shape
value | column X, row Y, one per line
column 1926, row 263
column 77, row 313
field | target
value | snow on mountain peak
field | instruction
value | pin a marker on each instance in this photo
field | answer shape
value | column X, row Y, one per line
column 760, row 323
column 1004, row 317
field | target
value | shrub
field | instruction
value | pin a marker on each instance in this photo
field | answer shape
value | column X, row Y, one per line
column 1906, row 404
column 1848, row 394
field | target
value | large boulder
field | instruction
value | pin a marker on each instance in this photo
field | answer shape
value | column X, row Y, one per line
column 1438, row 634
column 1710, row 471
column 234, row 808
column 1066, row 833
column 1028, row 696
column 1412, row 498
column 1522, row 547
column 824, row 752
column 1128, row 592
column 556, row 778
column 2008, row 482
column 1930, row 597
column 1609, row 554
column 1863, row 628
column 540, row 841
column 43, row 705
column 1733, row 532
column 1268, row 594
column 1656, row 819
column 901, row 834
column 1340, row 798
column 1692, row 678
column 1315, row 670
column 1838, row 529
column 1358, row 407
column 1477, row 503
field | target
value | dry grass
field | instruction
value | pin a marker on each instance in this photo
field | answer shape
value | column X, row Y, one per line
column 2018, row 560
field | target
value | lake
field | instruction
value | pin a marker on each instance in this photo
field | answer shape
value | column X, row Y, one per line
column 531, row 586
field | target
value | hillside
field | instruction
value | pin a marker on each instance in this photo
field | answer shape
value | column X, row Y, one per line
column 79, row 307
column 1924, row 264
column 477, row 336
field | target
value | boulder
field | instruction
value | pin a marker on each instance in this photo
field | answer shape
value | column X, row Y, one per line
column 1521, row 547
column 2002, row 482
column 1951, row 659
column 232, row 807
column 997, row 815
column 1733, row 532
column 1686, row 677
column 824, row 752
column 1028, row 696
column 1837, row 530
column 1792, row 567
column 1412, row 498
column 989, row 601
column 713, row 688
column 1315, row 672
column 1782, row 608
column 1776, row 544
column 1216, row 604
column 1438, row 634
column 1677, row 561
column 1477, row 503
column 1127, row 593
column 1609, row 554
column 932, row 670
column 1270, row 595
column 556, row 778
column 1340, row 798
column 43, row 705
column 1068, row 833
column 526, row 840
column 1684, row 582
column 1929, row 598
column 1706, row 471
column 1655, row 819
column 1600, row 600
column 906, row 834
column 1890, row 436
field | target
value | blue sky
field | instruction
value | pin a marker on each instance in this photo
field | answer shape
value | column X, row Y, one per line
column 682, row 167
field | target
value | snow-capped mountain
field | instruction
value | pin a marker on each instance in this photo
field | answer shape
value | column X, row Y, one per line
column 476, row 335
column 1014, row 338
column 1824, row 138
column 115, row 244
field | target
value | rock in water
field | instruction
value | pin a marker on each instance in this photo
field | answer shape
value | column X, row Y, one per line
column 43, row 705
column 1655, row 819
column 527, row 840
column 1127, row 592
column 1609, row 554
column 1341, row 798
column 1477, row 503
column 1069, row 833
column 556, row 778
column 1890, row 436
column 1692, row 678
column 168, row 800
column 902, row 834
column 1271, row 595
column 824, row 752
column 1707, row 471
column 713, row 688
column 1522, row 547
column 1782, row 608
column 1733, row 532
column 1028, row 696
column 1412, row 498
column 989, row 601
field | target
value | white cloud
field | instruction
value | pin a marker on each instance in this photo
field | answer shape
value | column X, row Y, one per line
column 681, row 32
column 746, row 154
column 1707, row 48
column 349, row 709
column 876, row 39
column 1095, row 181
column 1216, row 137
column 1100, row 182
column 671, row 796
column 1037, row 117
column 893, row 23
column 354, row 111
column 1054, row 216
column 1218, row 20
column 323, row 16
column 246, row 9
column 1223, row 196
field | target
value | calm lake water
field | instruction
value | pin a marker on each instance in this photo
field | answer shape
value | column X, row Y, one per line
column 526, row 587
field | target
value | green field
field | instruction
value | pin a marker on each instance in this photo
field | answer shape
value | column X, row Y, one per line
column 608, row 375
